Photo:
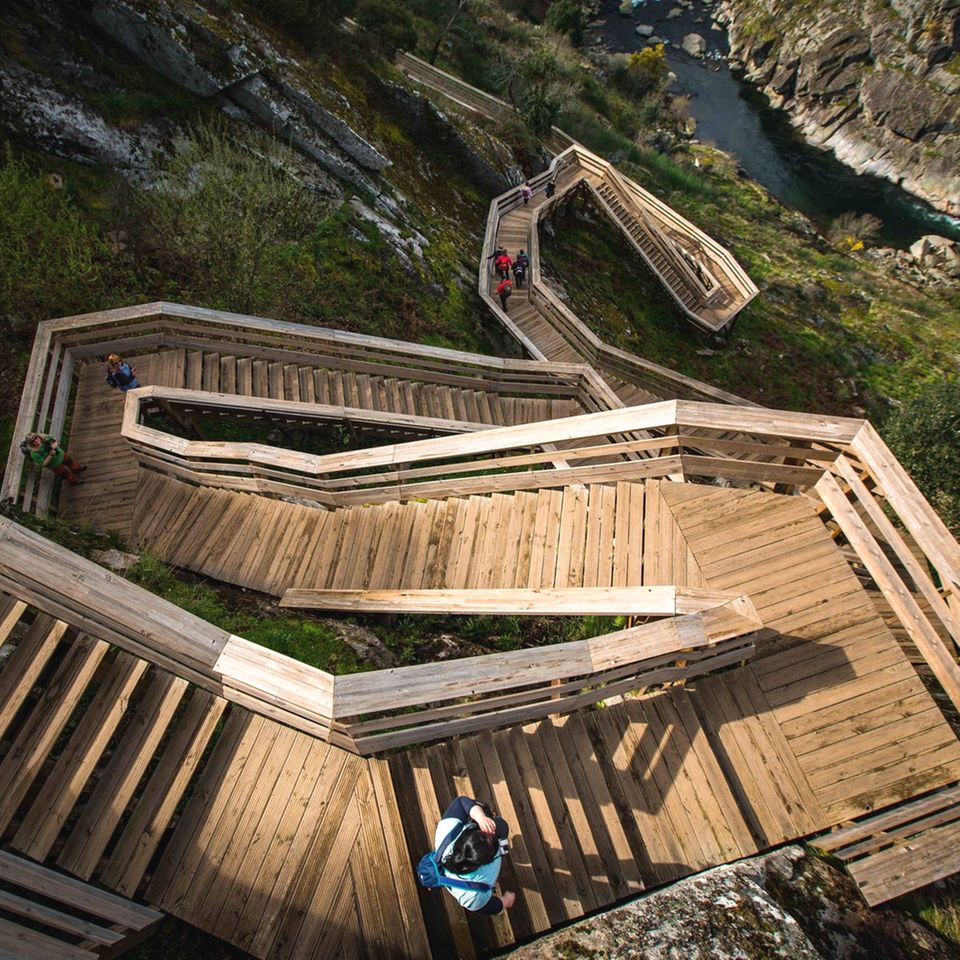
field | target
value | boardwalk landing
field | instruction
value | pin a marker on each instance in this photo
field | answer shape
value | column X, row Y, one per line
column 288, row 847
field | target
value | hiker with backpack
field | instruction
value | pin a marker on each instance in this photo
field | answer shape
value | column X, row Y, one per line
column 525, row 193
column 502, row 264
column 45, row 451
column 469, row 845
column 504, row 290
column 120, row 375
column 520, row 266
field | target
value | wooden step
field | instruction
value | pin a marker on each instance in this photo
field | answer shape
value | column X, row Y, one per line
column 902, row 848
column 45, row 722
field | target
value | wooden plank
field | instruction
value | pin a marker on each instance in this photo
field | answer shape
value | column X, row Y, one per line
column 260, row 928
column 37, row 735
column 899, row 869
column 398, row 859
column 162, row 793
column 25, row 664
column 54, row 801
column 104, row 807
column 614, row 847
column 431, row 807
column 21, row 943
column 928, row 642
column 81, row 896
column 58, row 920
column 560, row 601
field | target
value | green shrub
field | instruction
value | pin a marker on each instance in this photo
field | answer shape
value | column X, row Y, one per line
column 389, row 24
column 568, row 17
column 227, row 221
column 925, row 436
column 312, row 22
column 51, row 261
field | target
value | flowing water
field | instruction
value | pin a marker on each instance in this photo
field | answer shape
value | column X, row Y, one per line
column 731, row 114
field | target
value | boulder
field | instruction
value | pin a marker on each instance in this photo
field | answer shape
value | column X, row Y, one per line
column 694, row 44
column 674, row 13
column 783, row 904
column 115, row 559
column 55, row 121
column 187, row 51
column 932, row 245
column 644, row 30
column 626, row 8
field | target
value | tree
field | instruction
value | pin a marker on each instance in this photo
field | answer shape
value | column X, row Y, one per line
column 389, row 23
column 313, row 22
column 568, row 17
column 925, row 436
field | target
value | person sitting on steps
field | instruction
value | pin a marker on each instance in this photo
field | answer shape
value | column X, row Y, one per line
column 474, row 842
column 45, row 451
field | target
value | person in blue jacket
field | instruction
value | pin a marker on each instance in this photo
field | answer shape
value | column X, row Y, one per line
column 475, row 853
column 120, row 375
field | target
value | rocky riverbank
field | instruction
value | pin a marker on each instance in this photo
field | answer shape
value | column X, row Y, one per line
column 879, row 84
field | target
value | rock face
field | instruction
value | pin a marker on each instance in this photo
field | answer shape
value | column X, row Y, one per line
column 785, row 904
column 877, row 83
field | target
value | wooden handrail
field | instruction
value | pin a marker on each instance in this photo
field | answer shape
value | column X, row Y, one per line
column 475, row 692
column 557, row 601
column 59, row 344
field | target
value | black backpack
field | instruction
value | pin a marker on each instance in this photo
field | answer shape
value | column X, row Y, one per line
column 430, row 871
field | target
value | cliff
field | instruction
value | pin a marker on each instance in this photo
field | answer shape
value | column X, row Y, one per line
column 876, row 81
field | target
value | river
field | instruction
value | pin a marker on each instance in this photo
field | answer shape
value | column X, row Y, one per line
column 734, row 116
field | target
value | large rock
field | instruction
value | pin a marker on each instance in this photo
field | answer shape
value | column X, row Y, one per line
column 784, row 905
column 694, row 44
column 184, row 48
column 645, row 30
column 865, row 80
column 50, row 119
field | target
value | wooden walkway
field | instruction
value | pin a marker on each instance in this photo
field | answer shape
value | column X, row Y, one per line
column 576, row 537
column 289, row 847
column 108, row 495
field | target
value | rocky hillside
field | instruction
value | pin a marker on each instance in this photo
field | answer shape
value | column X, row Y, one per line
column 876, row 81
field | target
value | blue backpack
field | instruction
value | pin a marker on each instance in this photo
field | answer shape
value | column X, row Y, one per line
column 430, row 872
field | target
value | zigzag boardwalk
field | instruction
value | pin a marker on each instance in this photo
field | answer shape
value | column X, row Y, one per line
column 282, row 844
column 108, row 495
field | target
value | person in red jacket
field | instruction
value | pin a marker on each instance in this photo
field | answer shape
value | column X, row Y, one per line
column 503, row 263
column 503, row 292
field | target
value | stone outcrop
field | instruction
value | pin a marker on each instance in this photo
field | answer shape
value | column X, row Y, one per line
column 225, row 56
column 35, row 111
column 877, row 83
column 784, row 904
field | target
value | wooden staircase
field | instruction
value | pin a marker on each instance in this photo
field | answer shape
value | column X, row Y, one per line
column 641, row 237
column 98, row 749
column 575, row 537
column 251, row 377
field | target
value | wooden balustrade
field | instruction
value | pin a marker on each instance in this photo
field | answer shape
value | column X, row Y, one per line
column 60, row 345
column 374, row 711
column 690, row 439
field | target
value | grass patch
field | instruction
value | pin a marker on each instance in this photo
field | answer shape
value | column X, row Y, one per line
column 306, row 639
